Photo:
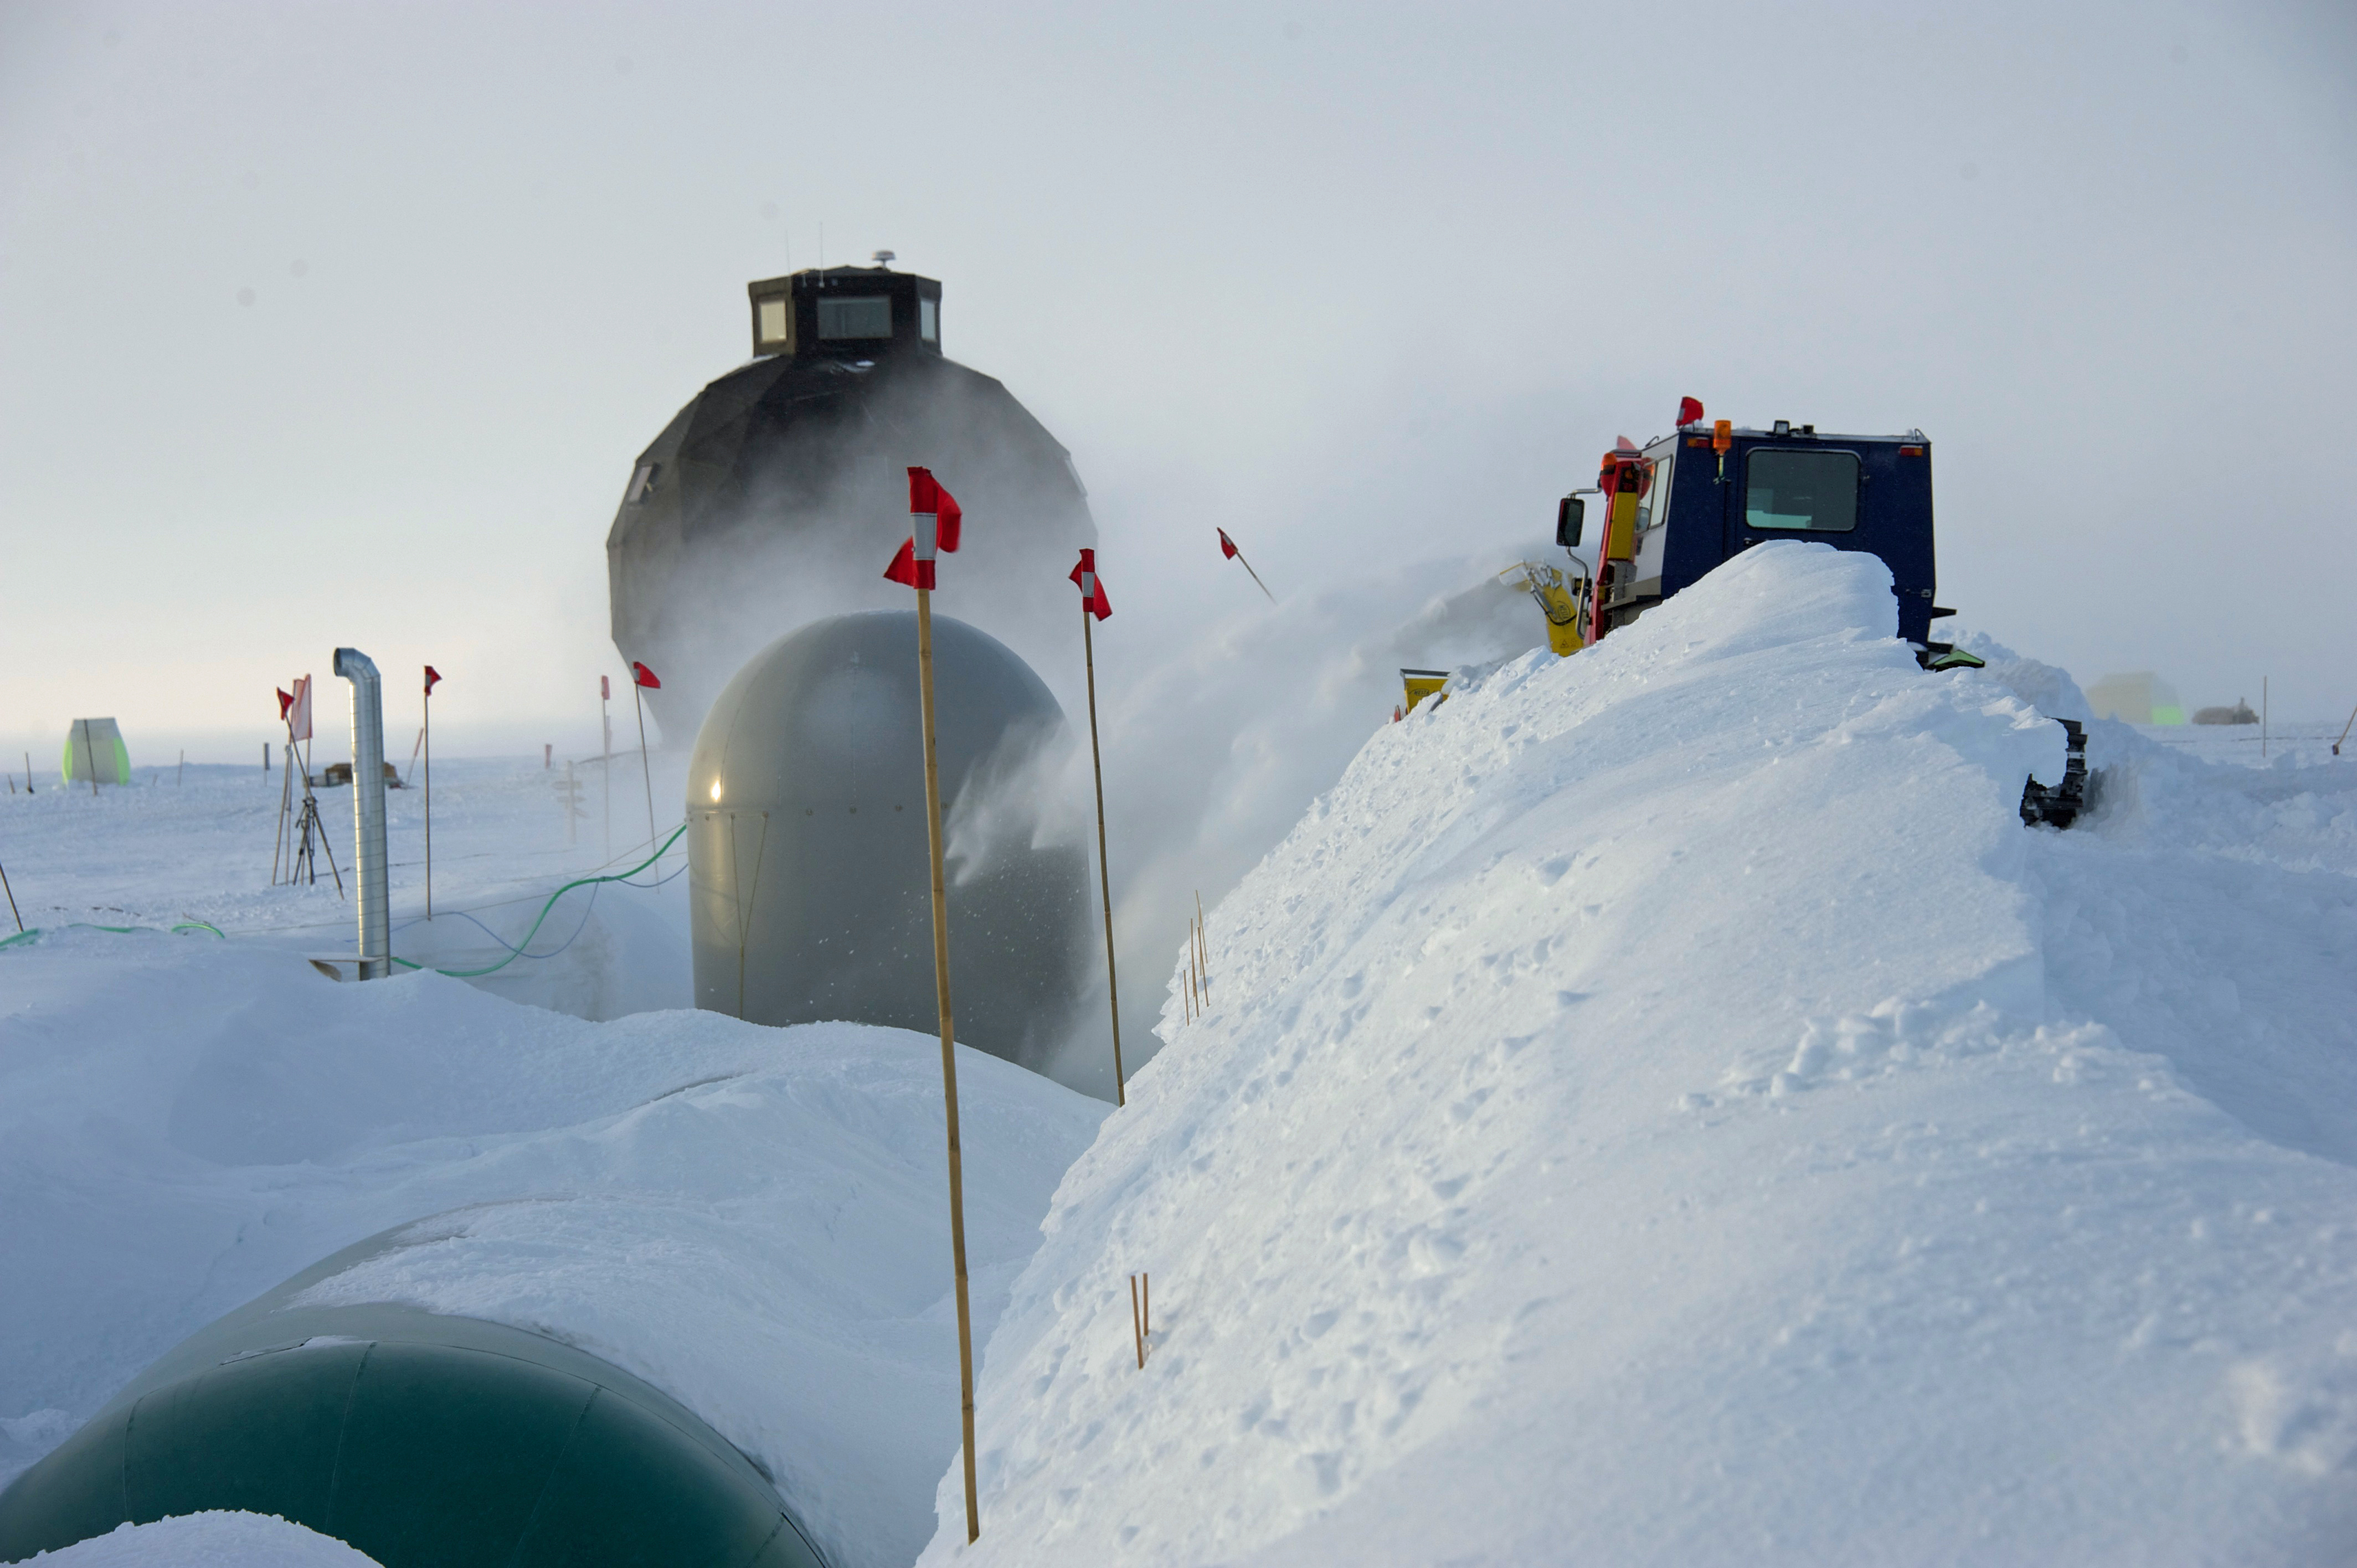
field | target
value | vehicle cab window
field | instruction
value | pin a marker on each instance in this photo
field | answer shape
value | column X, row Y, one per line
column 1653, row 505
column 1816, row 491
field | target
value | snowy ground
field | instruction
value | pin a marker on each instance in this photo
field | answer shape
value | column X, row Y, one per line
column 1664, row 1107
column 1660, row 1106
column 209, row 1541
column 752, row 1219
column 195, row 843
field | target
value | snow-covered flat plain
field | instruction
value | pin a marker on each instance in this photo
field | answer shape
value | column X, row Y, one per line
column 1664, row 1106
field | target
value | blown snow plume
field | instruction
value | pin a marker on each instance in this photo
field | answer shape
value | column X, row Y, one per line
column 1640, row 1119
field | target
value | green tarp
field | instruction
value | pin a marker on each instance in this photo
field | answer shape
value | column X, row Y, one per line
column 94, row 750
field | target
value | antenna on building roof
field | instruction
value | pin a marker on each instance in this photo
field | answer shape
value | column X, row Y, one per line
column 883, row 258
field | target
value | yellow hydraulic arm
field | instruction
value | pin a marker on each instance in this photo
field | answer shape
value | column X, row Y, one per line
column 1557, row 597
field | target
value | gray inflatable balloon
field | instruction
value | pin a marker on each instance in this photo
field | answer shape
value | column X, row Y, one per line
column 811, row 886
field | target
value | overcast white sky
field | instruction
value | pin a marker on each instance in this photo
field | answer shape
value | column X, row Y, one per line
column 1359, row 282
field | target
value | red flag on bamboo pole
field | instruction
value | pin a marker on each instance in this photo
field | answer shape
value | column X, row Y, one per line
column 934, row 519
column 642, row 676
column 1092, row 593
column 1093, row 604
column 1228, row 548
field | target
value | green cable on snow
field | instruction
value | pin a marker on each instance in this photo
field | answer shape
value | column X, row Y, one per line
column 545, row 908
column 30, row 932
column 27, row 936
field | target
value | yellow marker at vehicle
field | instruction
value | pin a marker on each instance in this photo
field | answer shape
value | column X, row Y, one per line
column 1423, row 683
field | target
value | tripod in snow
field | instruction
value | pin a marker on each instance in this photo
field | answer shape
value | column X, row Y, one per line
column 304, row 866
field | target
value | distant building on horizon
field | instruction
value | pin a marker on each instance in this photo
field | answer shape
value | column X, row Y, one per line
column 2140, row 697
column 2239, row 713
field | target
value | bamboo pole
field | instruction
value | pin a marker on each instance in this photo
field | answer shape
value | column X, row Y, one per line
column 949, row 1053
column 1105, row 871
column 286, row 804
column 639, row 700
column 426, row 743
column 1137, row 1323
column 11, row 900
column 1203, row 946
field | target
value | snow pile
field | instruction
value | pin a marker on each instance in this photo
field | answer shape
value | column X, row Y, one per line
column 752, row 1220
column 1215, row 742
column 209, row 1541
column 1662, row 1106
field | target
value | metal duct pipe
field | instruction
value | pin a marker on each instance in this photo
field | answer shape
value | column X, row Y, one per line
column 368, row 811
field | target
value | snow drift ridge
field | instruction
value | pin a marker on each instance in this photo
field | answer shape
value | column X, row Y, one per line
column 1635, row 1123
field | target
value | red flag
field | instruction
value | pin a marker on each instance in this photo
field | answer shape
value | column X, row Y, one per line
column 1689, row 412
column 286, row 700
column 1228, row 548
column 906, row 570
column 299, row 714
column 644, row 676
column 1092, row 593
column 605, row 688
column 935, row 522
column 433, row 679
column 929, row 498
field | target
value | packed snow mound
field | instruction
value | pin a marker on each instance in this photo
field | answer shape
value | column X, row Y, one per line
column 753, row 1220
column 1664, row 1106
column 217, row 1539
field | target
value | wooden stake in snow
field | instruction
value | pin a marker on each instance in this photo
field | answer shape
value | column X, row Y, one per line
column 1187, row 979
column 934, row 519
column 1203, row 948
column 1094, row 606
column 1136, row 1322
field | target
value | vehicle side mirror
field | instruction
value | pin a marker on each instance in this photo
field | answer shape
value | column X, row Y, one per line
column 1569, row 513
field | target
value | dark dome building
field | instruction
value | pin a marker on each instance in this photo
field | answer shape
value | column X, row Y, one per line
column 777, row 495
column 811, row 879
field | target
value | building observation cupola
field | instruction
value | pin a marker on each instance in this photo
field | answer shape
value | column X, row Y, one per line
column 846, row 313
